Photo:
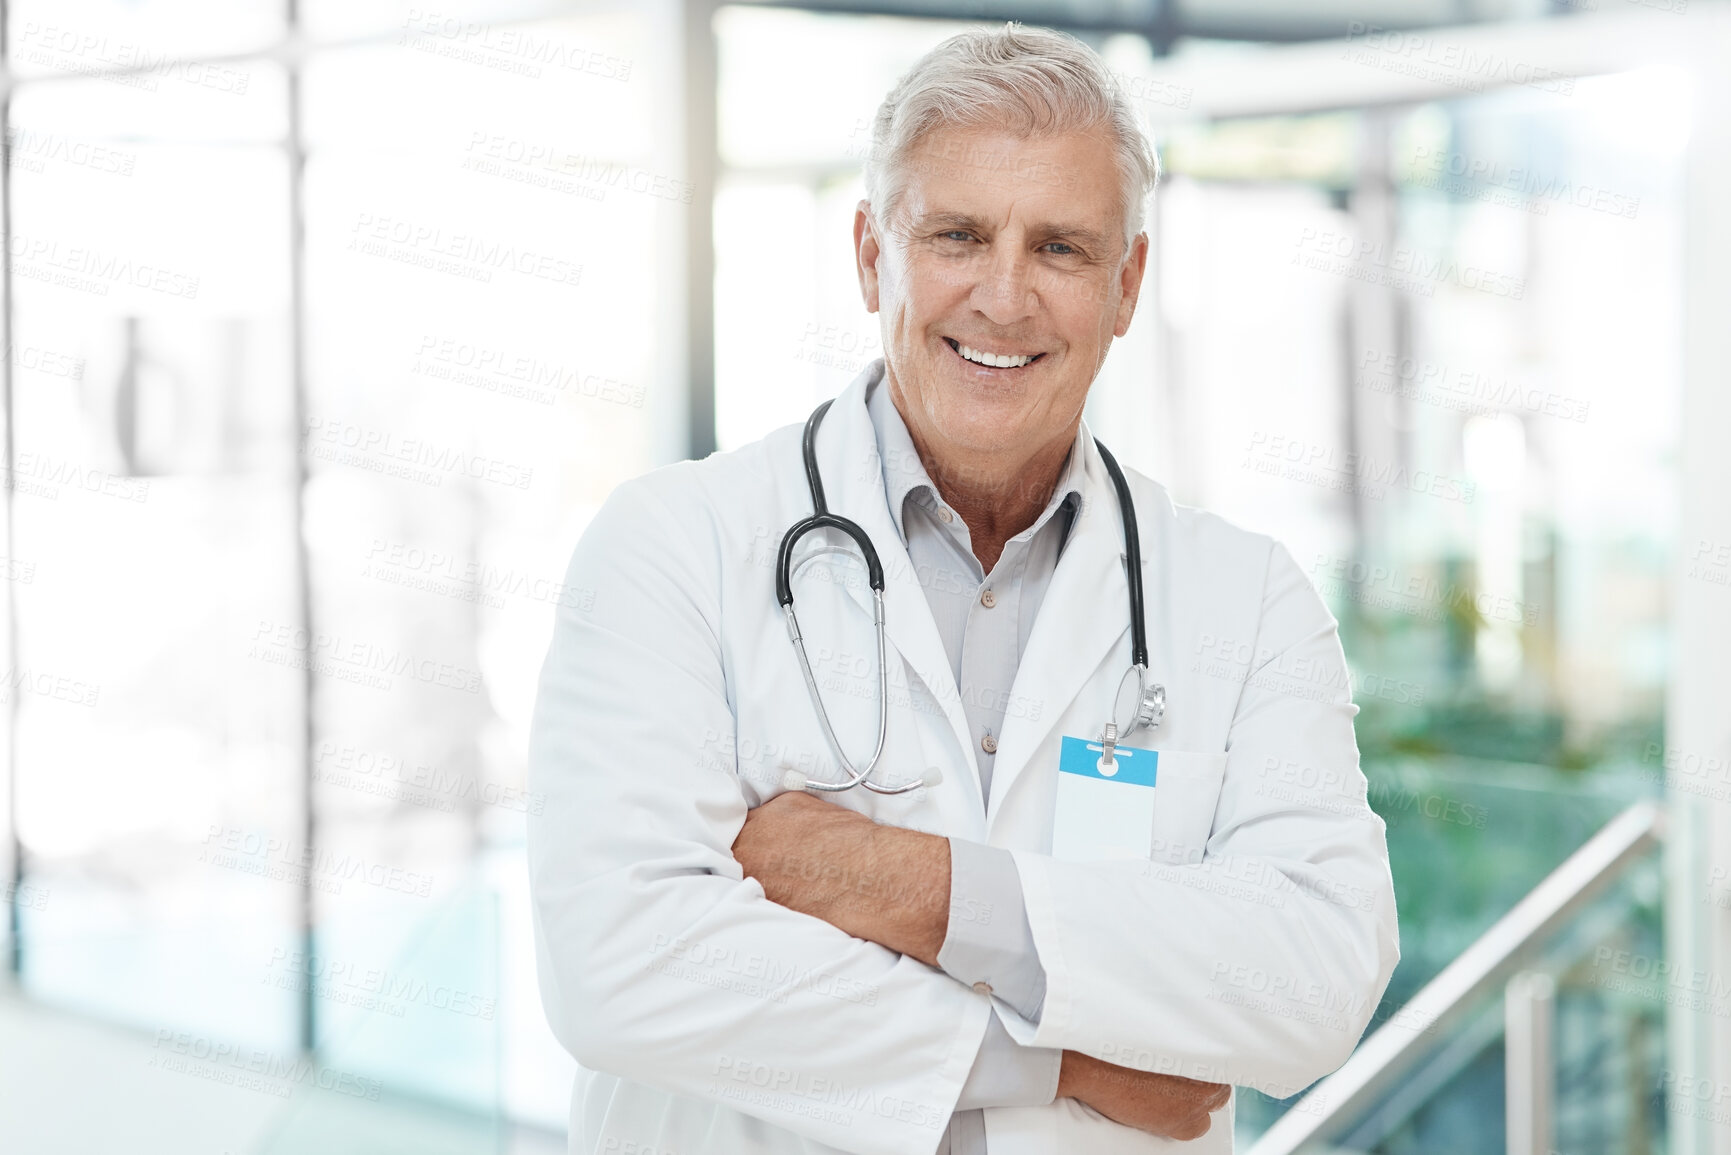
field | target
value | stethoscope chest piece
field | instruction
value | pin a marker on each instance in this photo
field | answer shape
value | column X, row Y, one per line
column 1141, row 704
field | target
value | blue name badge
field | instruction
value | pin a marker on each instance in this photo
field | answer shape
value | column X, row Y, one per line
column 1104, row 812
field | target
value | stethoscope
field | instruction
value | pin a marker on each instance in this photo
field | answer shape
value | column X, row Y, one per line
column 1147, row 699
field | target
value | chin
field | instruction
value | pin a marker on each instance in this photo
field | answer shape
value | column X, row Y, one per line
column 979, row 431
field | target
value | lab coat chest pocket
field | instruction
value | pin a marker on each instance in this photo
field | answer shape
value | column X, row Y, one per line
column 1185, row 799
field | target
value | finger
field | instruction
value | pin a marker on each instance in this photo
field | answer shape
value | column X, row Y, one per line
column 1193, row 1129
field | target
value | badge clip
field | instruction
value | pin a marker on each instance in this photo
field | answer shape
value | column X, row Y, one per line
column 1109, row 740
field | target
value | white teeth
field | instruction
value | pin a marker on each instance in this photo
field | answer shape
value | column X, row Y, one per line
column 992, row 359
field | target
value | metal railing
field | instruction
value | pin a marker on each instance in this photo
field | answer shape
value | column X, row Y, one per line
column 1496, row 959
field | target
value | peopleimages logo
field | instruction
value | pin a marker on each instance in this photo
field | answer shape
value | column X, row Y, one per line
column 519, row 51
column 402, row 780
column 464, row 254
column 541, row 163
column 253, row 1068
column 775, row 979
column 799, row 1093
column 412, row 458
column 267, row 856
column 1295, row 459
column 42, row 475
column 1464, row 390
column 1327, row 251
column 73, row 50
column 1420, row 595
column 1423, row 55
column 92, row 270
column 1462, row 174
column 517, row 374
column 18, row 680
column 372, row 988
column 352, row 660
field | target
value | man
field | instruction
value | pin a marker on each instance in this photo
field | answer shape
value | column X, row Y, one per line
column 1004, row 956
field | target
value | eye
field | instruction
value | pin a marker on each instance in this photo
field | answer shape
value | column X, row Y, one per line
column 954, row 234
column 1068, row 250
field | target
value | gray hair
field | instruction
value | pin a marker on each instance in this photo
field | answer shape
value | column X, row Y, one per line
column 1030, row 81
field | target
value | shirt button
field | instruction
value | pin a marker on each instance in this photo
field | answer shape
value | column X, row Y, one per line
column 944, row 514
column 989, row 744
column 983, row 988
column 988, row 599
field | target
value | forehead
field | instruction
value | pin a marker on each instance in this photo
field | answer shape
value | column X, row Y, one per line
column 991, row 172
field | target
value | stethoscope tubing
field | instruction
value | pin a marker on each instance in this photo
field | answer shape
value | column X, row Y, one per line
column 821, row 518
column 1132, row 557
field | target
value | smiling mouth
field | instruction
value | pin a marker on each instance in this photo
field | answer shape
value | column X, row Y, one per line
column 990, row 360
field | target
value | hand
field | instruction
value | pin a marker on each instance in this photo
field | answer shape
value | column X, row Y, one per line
column 1164, row 1105
column 880, row 883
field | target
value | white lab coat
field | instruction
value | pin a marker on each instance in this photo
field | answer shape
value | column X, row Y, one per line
column 1250, row 949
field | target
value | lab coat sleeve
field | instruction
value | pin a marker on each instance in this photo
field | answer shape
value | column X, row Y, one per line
column 658, row 961
column 1261, row 964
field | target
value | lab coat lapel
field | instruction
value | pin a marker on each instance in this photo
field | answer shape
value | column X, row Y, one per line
column 852, row 471
column 1084, row 614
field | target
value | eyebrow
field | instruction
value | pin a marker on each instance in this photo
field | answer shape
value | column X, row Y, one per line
column 952, row 220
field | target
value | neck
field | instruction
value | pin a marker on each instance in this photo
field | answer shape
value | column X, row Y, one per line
column 997, row 493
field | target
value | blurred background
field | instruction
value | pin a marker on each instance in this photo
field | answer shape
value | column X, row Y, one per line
column 329, row 324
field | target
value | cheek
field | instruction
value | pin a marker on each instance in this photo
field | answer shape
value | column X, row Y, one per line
column 932, row 288
column 1089, row 334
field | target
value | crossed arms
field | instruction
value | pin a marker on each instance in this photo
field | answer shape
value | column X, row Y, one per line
column 662, row 961
column 808, row 854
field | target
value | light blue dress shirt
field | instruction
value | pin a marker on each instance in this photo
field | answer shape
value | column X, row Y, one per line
column 984, row 621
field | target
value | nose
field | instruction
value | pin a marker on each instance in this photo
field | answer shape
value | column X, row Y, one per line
column 1005, row 294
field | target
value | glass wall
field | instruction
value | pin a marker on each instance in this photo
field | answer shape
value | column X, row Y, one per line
column 1434, row 348
column 154, row 497
column 322, row 358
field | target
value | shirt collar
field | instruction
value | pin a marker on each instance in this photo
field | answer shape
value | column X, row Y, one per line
column 905, row 476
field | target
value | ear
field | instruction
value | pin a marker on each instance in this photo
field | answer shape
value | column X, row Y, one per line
column 1130, row 282
column 866, row 249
